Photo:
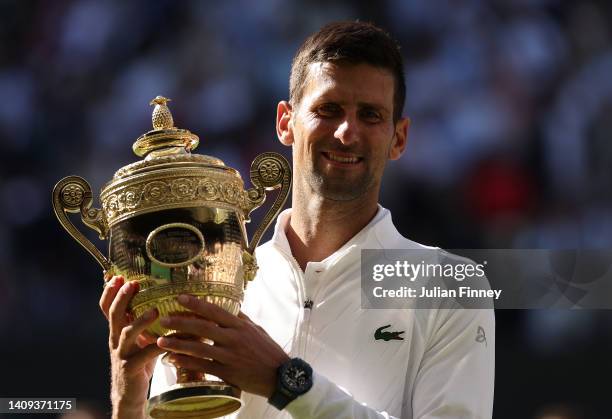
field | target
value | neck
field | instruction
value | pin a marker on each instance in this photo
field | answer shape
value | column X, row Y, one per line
column 321, row 226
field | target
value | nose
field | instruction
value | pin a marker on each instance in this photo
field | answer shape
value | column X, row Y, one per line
column 347, row 132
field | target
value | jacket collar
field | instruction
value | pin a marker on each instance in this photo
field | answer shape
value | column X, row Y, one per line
column 378, row 233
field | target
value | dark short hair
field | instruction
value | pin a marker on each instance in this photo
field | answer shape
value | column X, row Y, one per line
column 350, row 43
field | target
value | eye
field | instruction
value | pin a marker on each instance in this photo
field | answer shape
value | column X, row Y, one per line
column 370, row 115
column 328, row 110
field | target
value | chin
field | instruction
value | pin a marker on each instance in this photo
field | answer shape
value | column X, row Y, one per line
column 344, row 192
column 339, row 188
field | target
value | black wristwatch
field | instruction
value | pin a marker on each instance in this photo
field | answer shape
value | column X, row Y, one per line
column 293, row 378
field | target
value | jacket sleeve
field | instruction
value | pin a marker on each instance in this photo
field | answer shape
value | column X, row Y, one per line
column 325, row 400
column 455, row 377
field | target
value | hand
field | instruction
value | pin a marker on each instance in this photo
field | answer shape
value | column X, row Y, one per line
column 132, row 350
column 243, row 353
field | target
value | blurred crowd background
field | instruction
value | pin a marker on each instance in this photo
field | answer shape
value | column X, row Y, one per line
column 511, row 107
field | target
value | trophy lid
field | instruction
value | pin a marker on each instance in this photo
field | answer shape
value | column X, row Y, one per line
column 165, row 144
column 170, row 176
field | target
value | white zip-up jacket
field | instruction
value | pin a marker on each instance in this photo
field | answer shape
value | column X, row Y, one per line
column 439, row 370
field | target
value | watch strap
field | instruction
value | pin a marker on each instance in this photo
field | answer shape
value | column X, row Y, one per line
column 279, row 399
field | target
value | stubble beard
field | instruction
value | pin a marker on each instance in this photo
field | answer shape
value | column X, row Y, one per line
column 339, row 188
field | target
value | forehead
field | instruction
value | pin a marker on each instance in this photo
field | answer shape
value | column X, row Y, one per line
column 351, row 83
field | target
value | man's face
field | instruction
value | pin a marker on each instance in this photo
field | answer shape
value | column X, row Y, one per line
column 342, row 131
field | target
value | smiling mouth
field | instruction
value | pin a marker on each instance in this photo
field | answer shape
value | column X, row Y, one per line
column 345, row 159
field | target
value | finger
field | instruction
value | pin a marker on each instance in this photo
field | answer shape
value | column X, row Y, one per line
column 246, row 318
column 142, row 342
column 194, row 348
column 130, row 334
column 197, row 326
column 117, row 311
column 199, row 364
column 243, row 316
column 145, row 339
column 110, row 291
column 209, row 311
column 148, row 336
column 141, row 358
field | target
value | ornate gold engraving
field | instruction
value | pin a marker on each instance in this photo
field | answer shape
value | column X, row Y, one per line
column 269, row 171
column 73, row 194
column 180, row 188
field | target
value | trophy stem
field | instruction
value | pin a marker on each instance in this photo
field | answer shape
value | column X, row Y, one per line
column 195, row 395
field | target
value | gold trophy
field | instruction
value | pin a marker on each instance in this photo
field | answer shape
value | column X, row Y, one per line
column 175, row 222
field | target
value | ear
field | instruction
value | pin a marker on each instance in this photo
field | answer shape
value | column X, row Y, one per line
column 284, row 126
column 400, row 138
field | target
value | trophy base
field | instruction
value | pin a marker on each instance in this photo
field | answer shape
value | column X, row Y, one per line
column 205, row 399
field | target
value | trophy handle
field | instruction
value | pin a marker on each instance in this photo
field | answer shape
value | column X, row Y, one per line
column 268, row 171
column 73, row 194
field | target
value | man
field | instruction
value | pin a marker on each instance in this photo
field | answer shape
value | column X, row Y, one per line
column 343, row 122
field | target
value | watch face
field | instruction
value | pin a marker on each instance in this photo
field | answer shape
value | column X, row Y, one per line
column 296, row 378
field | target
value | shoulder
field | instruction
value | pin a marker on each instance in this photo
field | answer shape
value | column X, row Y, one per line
column 267, row 252
column 387, row 235
column 263, row 249
column 273, row 268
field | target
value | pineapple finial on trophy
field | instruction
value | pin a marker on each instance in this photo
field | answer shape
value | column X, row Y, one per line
column 162, row 117
column 164, row 139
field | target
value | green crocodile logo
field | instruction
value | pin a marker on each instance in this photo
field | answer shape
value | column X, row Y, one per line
column 387, row 336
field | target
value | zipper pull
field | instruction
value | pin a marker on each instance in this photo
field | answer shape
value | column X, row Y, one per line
column 308, row 304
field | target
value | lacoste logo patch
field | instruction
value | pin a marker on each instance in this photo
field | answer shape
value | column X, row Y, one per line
column 380, row 334
column 481, row 336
